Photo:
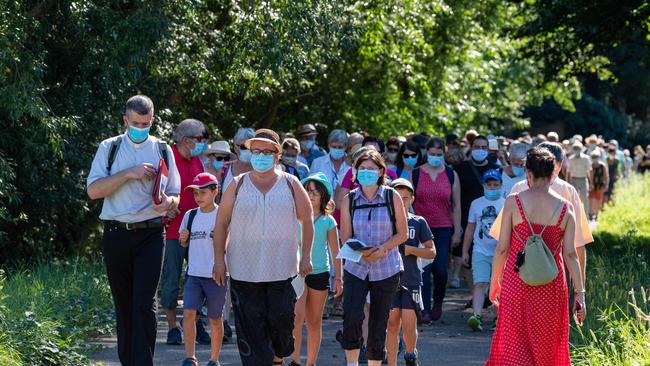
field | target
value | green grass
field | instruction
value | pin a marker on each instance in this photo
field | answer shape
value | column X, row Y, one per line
column 48, row 313
column 617, row 329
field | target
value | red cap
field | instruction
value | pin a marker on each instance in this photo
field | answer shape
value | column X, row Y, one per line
column 203, row 180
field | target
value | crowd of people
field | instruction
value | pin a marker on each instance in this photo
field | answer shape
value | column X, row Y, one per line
column 273, row 227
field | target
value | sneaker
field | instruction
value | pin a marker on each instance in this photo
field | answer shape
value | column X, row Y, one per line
column 362, row 354
column 213, row 363
column 190, row 361
column 425, row 319
column 454, row 283
column 475, row 323
column 436, row 313
column 202, row 336
column 411, row 359
column 294, row 363
column 174, row 337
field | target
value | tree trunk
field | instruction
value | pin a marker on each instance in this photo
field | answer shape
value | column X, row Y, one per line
column 271, row 115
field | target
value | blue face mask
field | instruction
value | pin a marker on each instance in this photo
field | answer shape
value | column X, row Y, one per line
column 435, row 161
column 337, row 154
column 367, row 177
column 479, row 155
column 410, row 162
column 517, row 171
column 199, row 147
column 218, row 164
column 492, row 194
column 262, row 163
column 138, row 135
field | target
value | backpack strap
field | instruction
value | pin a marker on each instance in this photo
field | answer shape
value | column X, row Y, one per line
column 112, row 153
column 415, row 178
column 190, row 219
column 389, row 199
column 552, row 216
column 352, row 207
column 451, row 177
column 162, row 147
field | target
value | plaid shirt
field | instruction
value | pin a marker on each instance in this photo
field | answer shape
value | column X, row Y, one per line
column 373, row 227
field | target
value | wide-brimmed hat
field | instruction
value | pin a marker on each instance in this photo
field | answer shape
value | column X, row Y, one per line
column 306, row 130
column 592, row 139
column 265, row 135
column 321, row 178
column 219, row 147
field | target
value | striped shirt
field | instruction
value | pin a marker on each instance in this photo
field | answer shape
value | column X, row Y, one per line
column 374, row 227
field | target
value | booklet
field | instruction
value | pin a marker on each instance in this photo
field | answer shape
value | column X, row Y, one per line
column 352, row 250
column 160, row 183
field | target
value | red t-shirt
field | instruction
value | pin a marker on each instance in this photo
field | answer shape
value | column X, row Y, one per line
column 187, row 169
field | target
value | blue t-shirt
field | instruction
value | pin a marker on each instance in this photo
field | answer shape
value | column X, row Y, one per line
column 320, row 249
column 418, row 232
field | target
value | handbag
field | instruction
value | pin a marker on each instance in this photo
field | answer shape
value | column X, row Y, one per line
column 536, row 263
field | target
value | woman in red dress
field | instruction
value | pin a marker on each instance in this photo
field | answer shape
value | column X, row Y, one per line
column 533, row 321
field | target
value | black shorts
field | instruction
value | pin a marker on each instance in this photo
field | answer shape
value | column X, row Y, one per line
column 318, row 282
column 408, row 297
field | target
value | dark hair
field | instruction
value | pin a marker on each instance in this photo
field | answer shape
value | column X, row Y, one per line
column 479, row 137
column 436, row 142
column 555, row 149
column 140, row 104
column 413, row 146
column 374, row 140
column 540, row 162
column 393, row 141
column 326, row 203
column 376, row 158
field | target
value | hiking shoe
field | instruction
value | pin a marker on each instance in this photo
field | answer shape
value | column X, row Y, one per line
column 411, row 359
column 425, row 319
column 475, row 323
column 202, row 336
column 362, row 354
column 213, row 363
column 454, row 283
column 174, row 337
column 436, row 313
column 190, row 361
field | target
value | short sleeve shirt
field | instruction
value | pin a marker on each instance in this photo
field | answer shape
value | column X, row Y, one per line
column 200, row 257
column 483, row 213
column 132, row 201
column 320, row 248
column 418, row 232
column 471, row 185
column 579, row 166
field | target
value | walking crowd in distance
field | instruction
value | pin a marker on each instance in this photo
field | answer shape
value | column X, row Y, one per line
column 281, row 232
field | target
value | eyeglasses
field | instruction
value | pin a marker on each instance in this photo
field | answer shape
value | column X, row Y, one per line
column 480, row 147
column 415, row 155
column 313, row 192
column 263, row 152
column 220, row 158
column 392, row 150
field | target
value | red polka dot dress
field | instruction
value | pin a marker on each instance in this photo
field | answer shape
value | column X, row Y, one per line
column 533, row 321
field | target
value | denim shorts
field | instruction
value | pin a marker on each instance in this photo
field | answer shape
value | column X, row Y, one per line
column 198, row 289
column 481, row 267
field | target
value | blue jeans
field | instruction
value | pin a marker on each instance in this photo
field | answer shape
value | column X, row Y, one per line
column 171, row 274
column 442, row 241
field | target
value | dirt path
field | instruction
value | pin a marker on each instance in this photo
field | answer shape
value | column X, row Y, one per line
column 448, row 340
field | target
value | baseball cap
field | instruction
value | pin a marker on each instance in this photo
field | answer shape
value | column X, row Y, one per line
column 402, row 183
column 492, row 174
column 203, row 180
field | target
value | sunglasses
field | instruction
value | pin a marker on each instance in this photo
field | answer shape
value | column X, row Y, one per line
column 411, row 155
column 393, row 150
column 221, row 158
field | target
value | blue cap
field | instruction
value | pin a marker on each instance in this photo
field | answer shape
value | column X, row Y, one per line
column 492, row 174
column 321, row 178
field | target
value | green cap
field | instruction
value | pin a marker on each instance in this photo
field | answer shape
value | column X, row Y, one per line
column 320, row 177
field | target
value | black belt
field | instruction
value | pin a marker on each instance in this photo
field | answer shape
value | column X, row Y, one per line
column 149, row 224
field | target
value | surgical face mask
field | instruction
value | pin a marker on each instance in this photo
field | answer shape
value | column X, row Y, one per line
column 262, row 163
column 199, row 147
column 218, row 164
column 367, row 177
column 595, row 160
column 391, row 156
column 479, row 155
column 245, row 156
column 337, row 154
column 306, row 145
column 576, row 151
column 435, row 161
column 289, row 160
column 492, row 194
column 518, row 171
column 138, row 135
column 410, row 162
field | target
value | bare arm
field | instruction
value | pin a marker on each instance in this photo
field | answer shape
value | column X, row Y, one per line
column 502, row 249
column 222, row 223
column 582, row 259
column 333, row 242
column 339, row 195
column 467, row 239
column 606, row 176
column 569, row 250
column 305, row 217
column 428, row 252
column 456, row 201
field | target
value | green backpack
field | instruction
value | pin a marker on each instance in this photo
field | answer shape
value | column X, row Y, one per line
column 538, row 267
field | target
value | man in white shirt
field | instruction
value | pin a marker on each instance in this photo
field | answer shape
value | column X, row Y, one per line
column 123, row 173
column 579, row 172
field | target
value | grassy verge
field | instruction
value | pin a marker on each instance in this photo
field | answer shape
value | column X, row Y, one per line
column 617, row 329
column 48, row 313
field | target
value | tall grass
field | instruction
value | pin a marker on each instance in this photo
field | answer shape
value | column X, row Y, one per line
column 617, row 329
column 48, row 313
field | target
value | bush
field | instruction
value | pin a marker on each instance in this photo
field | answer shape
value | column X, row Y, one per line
column 47, row 314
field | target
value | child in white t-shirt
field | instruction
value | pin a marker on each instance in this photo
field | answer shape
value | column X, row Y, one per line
column 196, row 230
column 482, row 213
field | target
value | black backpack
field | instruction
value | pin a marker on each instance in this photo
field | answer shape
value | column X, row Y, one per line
column 115, row 146
column 388, row 203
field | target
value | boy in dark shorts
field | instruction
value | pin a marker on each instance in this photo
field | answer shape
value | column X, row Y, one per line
column 196, row 230
column 408, row 299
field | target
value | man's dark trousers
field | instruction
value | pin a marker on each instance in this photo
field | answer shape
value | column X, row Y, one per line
column 133, row 261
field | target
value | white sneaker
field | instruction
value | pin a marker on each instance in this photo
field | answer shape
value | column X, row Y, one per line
column 454, row 283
